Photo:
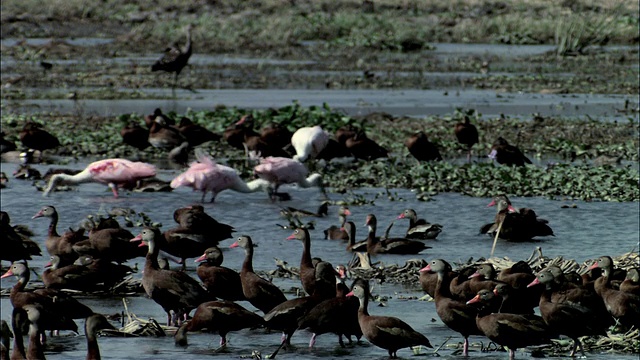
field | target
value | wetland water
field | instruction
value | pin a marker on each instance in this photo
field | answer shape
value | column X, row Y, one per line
column 416, row 103
column 588, row 231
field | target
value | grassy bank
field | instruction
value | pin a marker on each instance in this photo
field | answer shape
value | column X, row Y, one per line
column 228, row 26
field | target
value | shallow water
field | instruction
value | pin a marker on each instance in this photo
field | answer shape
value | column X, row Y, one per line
column 588, row 231
column 352, row 102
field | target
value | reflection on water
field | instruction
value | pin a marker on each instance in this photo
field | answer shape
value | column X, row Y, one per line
column 585, row 232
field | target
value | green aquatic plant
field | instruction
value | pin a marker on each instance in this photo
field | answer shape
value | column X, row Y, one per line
column 574, row 143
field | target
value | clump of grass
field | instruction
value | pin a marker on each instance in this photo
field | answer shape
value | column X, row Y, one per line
column 573, row 36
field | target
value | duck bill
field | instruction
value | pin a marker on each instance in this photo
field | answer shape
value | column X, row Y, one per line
column 492, row 203
column 201, row 258
column 474, row 300
column 475, row 274
column 534, row 282
column 593, row 266
column 38, row 214
column 346, row 212
column 291, row 237
column 350, row 293
column 401, row 216
column 234, row 245
column 7, row 274
column 426, row 268
column 137, row 238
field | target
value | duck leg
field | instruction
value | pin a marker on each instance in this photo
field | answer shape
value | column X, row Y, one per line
column 312, row 341
column 465, row 347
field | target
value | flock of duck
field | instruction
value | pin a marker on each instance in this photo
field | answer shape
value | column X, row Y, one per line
column 471, row 301
column 476, row 301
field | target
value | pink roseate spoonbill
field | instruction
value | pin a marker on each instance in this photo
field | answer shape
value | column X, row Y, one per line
column 206, row 175
column 113, row 172
column 309, row 142
column 280, row 170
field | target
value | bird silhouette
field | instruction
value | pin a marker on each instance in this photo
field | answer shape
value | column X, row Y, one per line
column 175, row 58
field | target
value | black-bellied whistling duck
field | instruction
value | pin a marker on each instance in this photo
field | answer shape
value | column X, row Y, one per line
column 567, row 317
column 456, row 314
column 338, row 315
column 149, row 119
column 421, row 148
column 345, row 132
column 534, row 226
column 221, row 282
column 429, row 280
column 35, row 314
column 621, row 305
column 257, row 147
column 509, row 330
column 482, row 278
column 34, row 137
column 26, row 172
column 175, row 58
column 333, row 150
column 286, row 315
column 75, row 277
column 6, row 145
column 350, row 229
column 307, row 270
column 194, row 217
column 18, row 319
column 197, row 232
column 261, row 293
column 419, row 228
column 16, row 244
column 323, row 210
column 459, row 284
column 276, row 135
column 57, row 314
column 561, row 291
column 163, row 136
column 467, row 134
column 107, row 272
column 392, row 245
column 513, row 301
column 362, row 147
column 386, row 332
column 631, row 283
column 336, row 232
column 175, row 291
column 6, row 335
column 515, row 226
column 136, row 136
column 194, row 133
column 63, row 304
column 219, row 317
column 61, row 246
column 518, row 275
column 111, row 244
column 507, row 154
column 235, row 134
column 92, row 325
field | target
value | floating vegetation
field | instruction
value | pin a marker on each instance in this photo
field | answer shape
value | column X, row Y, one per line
column 588, row 152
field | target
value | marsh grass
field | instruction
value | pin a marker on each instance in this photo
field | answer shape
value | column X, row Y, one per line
column 231, row 25
column 574, row 35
